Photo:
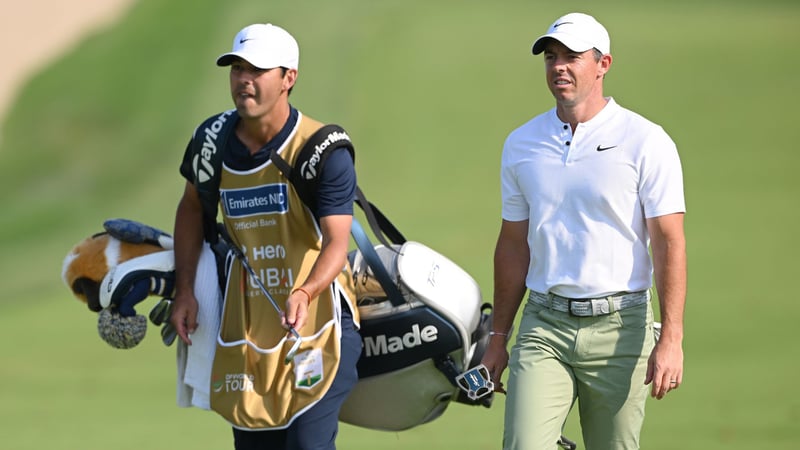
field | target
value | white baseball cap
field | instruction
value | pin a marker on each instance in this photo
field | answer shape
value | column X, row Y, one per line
column 265, row 46
column 579, row 32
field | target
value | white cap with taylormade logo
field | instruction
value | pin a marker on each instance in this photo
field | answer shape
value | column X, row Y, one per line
column 578, row 32
column 265, row 46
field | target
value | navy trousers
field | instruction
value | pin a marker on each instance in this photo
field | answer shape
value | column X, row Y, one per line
column 316, row 429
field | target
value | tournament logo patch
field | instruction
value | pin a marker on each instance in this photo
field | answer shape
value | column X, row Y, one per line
column 265, row 199
column 234, row 382
column 308, row 369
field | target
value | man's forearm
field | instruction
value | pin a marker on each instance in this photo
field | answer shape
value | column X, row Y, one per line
column 671, row 288
column 188, row 236
column 510, row 269
column 333, row 254
column 669, row 261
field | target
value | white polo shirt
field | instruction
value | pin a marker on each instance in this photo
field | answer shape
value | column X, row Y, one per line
column 587, row 195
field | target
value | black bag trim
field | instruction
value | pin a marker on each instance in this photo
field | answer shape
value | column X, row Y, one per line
column 400, row 340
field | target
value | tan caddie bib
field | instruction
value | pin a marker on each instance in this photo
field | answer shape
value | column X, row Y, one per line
column 251, row 386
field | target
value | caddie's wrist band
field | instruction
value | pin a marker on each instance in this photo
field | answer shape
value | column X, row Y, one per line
column 304, row 292
column 497, row 333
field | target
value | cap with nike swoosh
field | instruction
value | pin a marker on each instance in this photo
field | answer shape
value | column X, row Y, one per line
column 265, row 46
column 579, row 32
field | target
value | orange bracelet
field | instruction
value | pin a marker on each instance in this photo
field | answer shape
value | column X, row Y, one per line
column 304, row 292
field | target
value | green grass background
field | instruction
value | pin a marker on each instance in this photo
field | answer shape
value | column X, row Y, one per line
column 428, row 91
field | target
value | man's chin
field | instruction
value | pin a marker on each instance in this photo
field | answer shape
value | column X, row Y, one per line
column 245, row 112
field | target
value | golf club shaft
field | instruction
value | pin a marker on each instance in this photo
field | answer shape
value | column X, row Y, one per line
column 243, row 259
column 263, row 289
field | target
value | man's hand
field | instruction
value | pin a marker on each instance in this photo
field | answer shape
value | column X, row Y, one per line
column 665, row 368
column 184, row 316
column 496, row 360
column 296, row 314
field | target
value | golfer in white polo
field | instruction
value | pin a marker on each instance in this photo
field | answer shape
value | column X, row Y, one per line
column 589, row 188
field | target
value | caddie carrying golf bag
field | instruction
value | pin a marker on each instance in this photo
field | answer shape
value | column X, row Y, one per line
column 422, row 320
column 422, row 325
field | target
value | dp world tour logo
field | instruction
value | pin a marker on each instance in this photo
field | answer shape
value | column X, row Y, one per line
column 234, row 382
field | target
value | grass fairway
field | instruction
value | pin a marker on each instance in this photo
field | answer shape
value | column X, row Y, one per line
column 428, row 91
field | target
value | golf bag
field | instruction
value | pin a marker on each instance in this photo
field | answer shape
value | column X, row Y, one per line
column 422, row 324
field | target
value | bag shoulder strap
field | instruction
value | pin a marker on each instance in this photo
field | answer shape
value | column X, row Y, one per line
column 304, row 176
column 208, row 144
column 374, row 262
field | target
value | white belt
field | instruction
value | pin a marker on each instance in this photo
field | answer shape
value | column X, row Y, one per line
column 588, row 307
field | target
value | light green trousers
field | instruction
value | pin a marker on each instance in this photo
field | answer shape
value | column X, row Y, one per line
column 600, row 361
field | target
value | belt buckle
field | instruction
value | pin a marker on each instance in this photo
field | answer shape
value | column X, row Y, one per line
column 569, row 307
column 589, row 313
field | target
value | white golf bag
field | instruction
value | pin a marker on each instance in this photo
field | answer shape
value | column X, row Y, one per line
column 422, row 324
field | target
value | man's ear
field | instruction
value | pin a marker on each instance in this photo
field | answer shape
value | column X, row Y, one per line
column 289, row 79
column 604, row 66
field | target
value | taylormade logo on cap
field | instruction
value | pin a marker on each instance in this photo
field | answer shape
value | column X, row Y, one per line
column 265, row 46
column 578, row 32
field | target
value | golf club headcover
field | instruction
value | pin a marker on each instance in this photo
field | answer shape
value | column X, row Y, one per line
column 127, row 230
column 120, row 331
column 128, row 284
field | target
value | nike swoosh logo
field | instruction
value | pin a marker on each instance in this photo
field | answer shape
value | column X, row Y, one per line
column 602, row 149
column 242, row 41
column 559, row 24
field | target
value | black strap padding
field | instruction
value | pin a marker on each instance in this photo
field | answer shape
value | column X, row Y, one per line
column 304, row 175
column 214, row 133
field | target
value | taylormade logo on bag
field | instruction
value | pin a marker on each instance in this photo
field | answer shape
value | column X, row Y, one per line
column 309, row 168
column 383, row 345
column 203, row 169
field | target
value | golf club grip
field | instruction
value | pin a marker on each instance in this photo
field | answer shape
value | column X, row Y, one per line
column 223, row 234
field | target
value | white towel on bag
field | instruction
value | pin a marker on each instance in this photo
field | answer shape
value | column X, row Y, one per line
column 195, row 361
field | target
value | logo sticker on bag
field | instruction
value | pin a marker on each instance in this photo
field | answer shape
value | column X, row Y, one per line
column 308, row 369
